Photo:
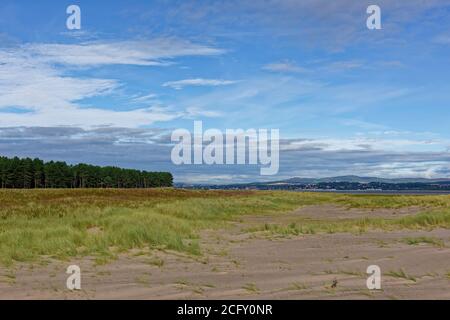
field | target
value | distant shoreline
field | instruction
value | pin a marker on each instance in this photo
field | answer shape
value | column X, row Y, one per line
column 365, row 192
column 384, row 192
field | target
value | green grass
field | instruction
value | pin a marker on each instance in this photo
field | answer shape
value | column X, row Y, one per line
column 251, row 287
column 61, row 224
column 394, row 201
column 156, row 262
column 182, row 282
column 352, row 273
column 8, row 277
column 421, row 221
column 426, row 240
column 143, row 279
column 401, row 274
column 101, row 223
column 297, row 286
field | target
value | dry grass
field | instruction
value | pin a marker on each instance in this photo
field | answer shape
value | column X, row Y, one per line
column 67, row 223
column 401, row 274
column 422, row 221
column 104, row 222
column 425, row 240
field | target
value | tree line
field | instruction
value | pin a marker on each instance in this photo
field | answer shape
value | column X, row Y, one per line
column 34, row 173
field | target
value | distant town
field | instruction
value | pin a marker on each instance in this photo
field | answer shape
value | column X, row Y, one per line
column 344, row 183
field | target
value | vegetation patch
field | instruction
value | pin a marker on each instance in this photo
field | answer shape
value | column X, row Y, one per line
column 41, row 224
column 298, row 286
column 251, row 287
column 425, row 240
column 401, row 274
column 421, row 221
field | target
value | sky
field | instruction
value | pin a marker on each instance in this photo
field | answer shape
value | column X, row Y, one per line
column 346, row 99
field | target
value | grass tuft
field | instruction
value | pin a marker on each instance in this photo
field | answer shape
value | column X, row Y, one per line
column 401, row 274
column 251, row 287
column 425, row 240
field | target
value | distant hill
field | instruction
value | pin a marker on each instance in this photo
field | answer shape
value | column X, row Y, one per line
column 340, row 183
column 355, row 179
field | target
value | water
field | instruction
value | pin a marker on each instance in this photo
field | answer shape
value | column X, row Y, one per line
column 385, row 192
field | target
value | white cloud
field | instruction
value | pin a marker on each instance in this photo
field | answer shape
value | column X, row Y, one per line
column 215, row 178
column 180, row 84
column 362, row 124
column 284, row 67
column 343, row 65
column 145, row 53
column 34, row 85
column 193, row 112
column 336, row 66
column 367, row 144
column 334, row 25
column 247, row 96
column 33, row 78
column 426, row 169
column 87, row 117
column 145, row 98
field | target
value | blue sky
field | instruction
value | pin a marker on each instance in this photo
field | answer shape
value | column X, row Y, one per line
column 347, row 100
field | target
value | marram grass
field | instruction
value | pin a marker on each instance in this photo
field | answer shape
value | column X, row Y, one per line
column 421, row 221
column 103, row 222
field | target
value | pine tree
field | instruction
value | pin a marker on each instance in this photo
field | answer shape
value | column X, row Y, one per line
column 28, row 173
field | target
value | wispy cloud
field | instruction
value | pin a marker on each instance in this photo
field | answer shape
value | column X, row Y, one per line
column 284, row 67
column 318, row 68
column 343, row 65
column 367, row 144
column 198, row 82
column 193, row 112
column 334, row 25
column 145, row 98
column 32, row 84
column 34, row 78
column 158, row 52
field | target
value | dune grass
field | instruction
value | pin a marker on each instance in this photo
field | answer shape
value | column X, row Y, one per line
column 425, row 240
column 421, row 221
column 67, row 223
column 393, row 201
column 401, row 274
column 102, row 222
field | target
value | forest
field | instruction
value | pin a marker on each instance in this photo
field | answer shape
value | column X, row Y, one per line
column 16, row 173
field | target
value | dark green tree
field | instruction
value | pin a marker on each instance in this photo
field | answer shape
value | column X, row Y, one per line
column 28, row 173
